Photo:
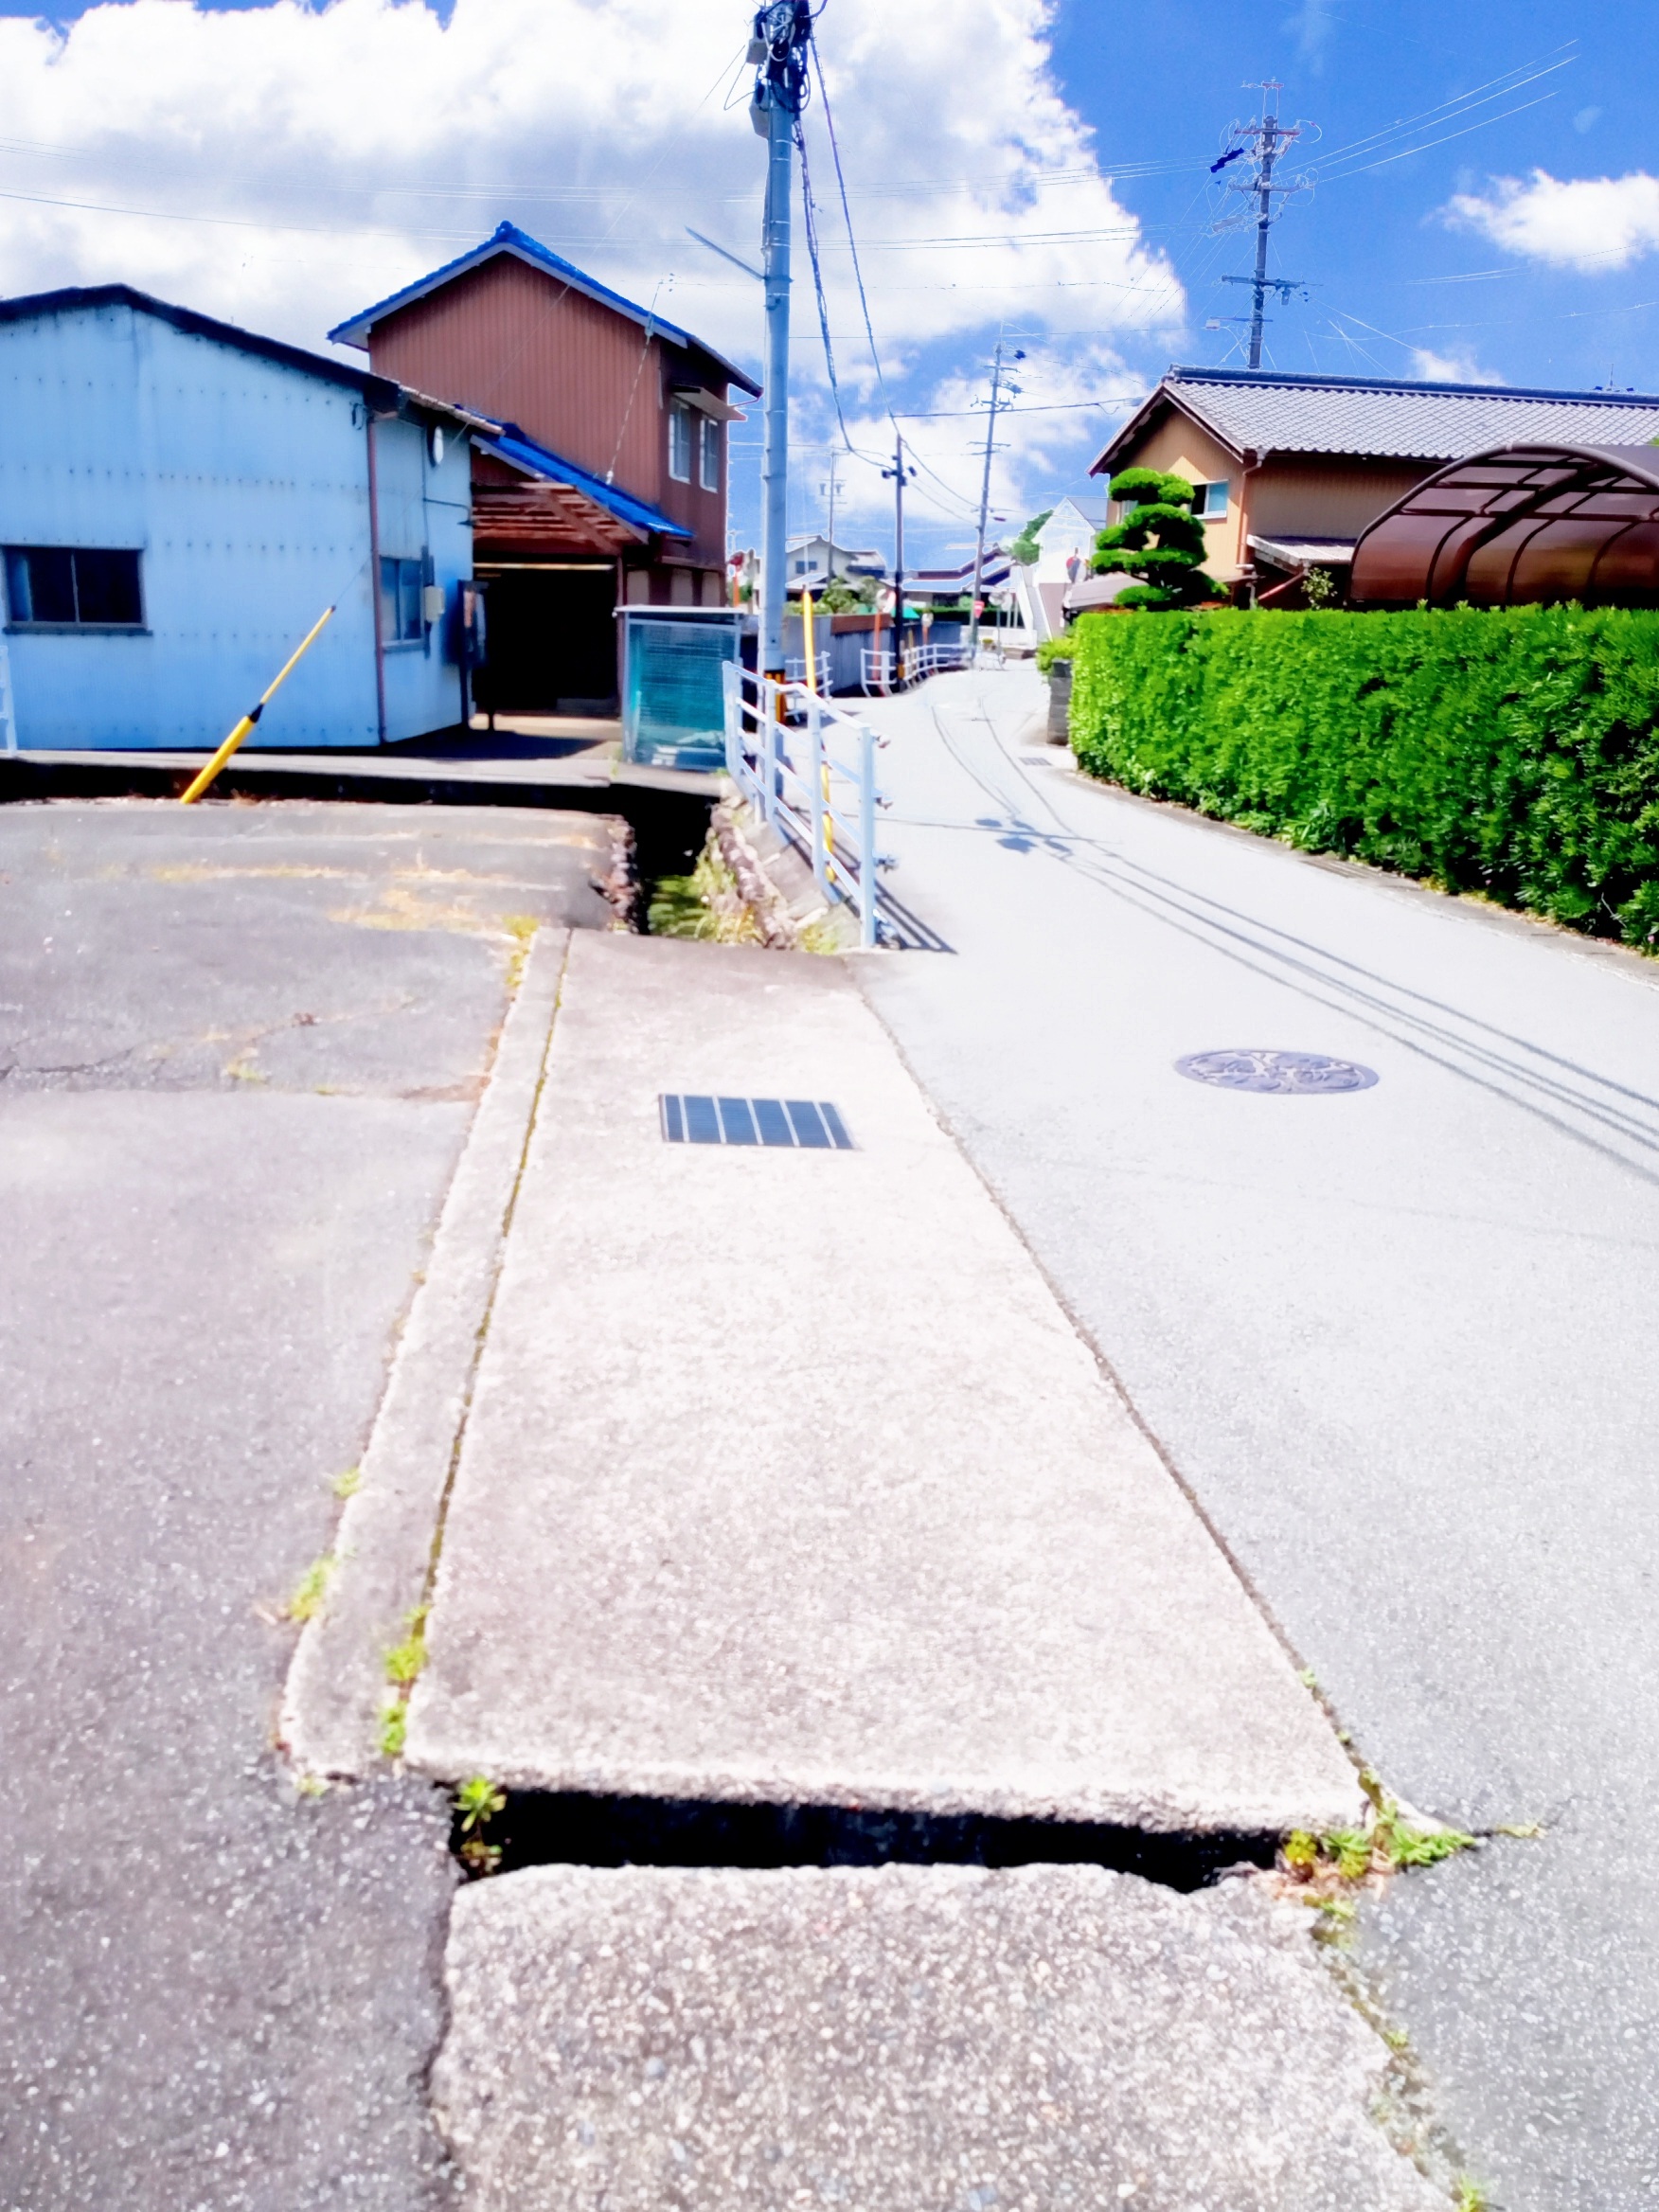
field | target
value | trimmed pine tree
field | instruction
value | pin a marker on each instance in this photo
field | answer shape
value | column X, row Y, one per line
column 1159, row 542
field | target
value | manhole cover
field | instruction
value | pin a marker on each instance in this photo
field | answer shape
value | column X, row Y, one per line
column 1303, row 1074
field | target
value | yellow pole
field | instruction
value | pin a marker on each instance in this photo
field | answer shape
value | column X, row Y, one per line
column 248, row 720
column 807, row 640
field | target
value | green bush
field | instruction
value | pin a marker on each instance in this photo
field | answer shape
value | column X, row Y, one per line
column 1512, row 752
column 1055, row 649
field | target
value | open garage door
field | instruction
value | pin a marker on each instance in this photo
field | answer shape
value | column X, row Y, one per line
column 552, row 639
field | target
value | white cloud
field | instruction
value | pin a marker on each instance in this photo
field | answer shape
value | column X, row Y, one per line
column 1449, row 368
column 1579, row 222
column 284, row 166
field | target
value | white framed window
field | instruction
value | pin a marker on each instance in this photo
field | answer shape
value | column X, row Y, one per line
column 680, row 442
column 709, row 453
column 1209, row 502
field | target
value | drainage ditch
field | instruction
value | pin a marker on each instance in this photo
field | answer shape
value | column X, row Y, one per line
column 544, row 1828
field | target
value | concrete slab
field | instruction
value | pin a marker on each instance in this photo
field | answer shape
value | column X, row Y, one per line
column 786, row 1478
column 337, row 1687
column 903, row 2040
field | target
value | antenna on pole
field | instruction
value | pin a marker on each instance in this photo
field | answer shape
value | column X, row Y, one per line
column 998, row 385
column 1261, row 142
column 778, row 48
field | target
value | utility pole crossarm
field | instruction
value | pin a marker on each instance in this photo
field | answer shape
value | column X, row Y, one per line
column 1264, row 142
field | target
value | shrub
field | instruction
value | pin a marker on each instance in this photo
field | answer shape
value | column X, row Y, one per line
column 1513, row 752
column 1158, row 541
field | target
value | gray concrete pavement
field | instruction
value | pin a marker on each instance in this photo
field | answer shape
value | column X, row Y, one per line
column 904, row 2039
column 786, row 1480
column 1398, row 1341
column 237, row 1054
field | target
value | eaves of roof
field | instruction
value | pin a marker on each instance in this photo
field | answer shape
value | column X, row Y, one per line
column 509, row 239
column 380, row 392
column 1261, row 411
column 524, row 453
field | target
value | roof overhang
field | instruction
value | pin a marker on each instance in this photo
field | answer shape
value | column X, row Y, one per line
column 507, row 238
column 537, row 463
column 1167, row 399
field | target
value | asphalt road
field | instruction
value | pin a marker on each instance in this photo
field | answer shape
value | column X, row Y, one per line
column 238, row 1052
column 1399, row 1341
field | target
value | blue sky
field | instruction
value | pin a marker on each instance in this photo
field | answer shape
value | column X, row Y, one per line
column 1035, row 166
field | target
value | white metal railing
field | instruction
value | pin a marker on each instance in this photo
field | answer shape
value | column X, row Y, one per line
column 809, row 768
column 795, row 669
column 920, row 661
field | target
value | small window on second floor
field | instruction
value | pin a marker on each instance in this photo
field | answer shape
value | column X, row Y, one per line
column 73, row 585
column 1209, row 502
column 400, row 618
column 709, row 447
column 680, row 442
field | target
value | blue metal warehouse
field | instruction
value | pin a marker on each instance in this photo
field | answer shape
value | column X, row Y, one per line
column 181, row 499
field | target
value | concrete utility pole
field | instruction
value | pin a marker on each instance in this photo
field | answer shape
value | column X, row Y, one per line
column 997, row 389
column 1263, row 143
column 779, row 51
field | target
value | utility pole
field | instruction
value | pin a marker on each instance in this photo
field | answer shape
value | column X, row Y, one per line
column 779, row 51
column 997, row 389
column 898, row 473
column 1262, row 143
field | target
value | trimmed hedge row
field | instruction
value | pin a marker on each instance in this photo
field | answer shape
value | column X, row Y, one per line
column 1513, row 752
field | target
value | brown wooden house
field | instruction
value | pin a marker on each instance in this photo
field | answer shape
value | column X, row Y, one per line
column 608, row 484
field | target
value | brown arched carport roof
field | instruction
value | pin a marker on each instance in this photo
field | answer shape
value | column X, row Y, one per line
column 1520, row 526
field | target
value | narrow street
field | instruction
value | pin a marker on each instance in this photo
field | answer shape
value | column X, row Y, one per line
column 1397, row 1341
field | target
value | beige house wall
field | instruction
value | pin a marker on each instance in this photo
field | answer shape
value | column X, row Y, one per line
column 1182, row 449
column 1327, row 495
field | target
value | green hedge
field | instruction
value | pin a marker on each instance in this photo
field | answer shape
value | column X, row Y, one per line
column 1514, row 753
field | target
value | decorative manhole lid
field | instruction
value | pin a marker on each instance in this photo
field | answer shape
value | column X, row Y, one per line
column 1300, row 1074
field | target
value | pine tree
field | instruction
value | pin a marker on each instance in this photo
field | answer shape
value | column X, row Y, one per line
column 1170, row 567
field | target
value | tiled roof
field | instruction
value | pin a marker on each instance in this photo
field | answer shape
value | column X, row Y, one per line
column 509, row 239
column 1268, row 412
column 520, row 451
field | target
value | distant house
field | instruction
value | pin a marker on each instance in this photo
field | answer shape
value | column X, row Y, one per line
column 1066, row 545
column 929, row 587
column 1291, row 468
column 813, row 562
column 608, row 486
column 180, row 500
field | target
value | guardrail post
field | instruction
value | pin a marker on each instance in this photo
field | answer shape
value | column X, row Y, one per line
column 867, row 871
column 732, row 689
column 815, row 740
column 768, row 749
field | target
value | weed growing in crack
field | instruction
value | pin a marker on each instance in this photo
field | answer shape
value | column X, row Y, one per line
column 348, row 1484
column 478, row 1801
column 311, row 1589
column 405, row 1660
column 394, row 1728
column 522, row 929
column 1471, row 2196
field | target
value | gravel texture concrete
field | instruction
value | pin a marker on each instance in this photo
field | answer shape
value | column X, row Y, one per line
column 786, row 1479
column 1400, row 1342
column 237, row 1050
column 903, row 2040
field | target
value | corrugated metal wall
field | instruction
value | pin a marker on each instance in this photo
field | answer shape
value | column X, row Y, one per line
column 511, row 342
column 516, row 344
column 243, row 484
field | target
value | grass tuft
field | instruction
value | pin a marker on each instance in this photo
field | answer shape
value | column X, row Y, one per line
column 311, row 1589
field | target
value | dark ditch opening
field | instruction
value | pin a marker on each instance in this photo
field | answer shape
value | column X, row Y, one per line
column 545, row 1828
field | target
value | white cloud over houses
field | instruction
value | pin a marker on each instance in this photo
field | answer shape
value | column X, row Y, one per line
column 285, row 165
column 1575, row 222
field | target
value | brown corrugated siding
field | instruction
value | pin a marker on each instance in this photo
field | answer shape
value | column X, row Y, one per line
column 513, row 343
column 1327, row 495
